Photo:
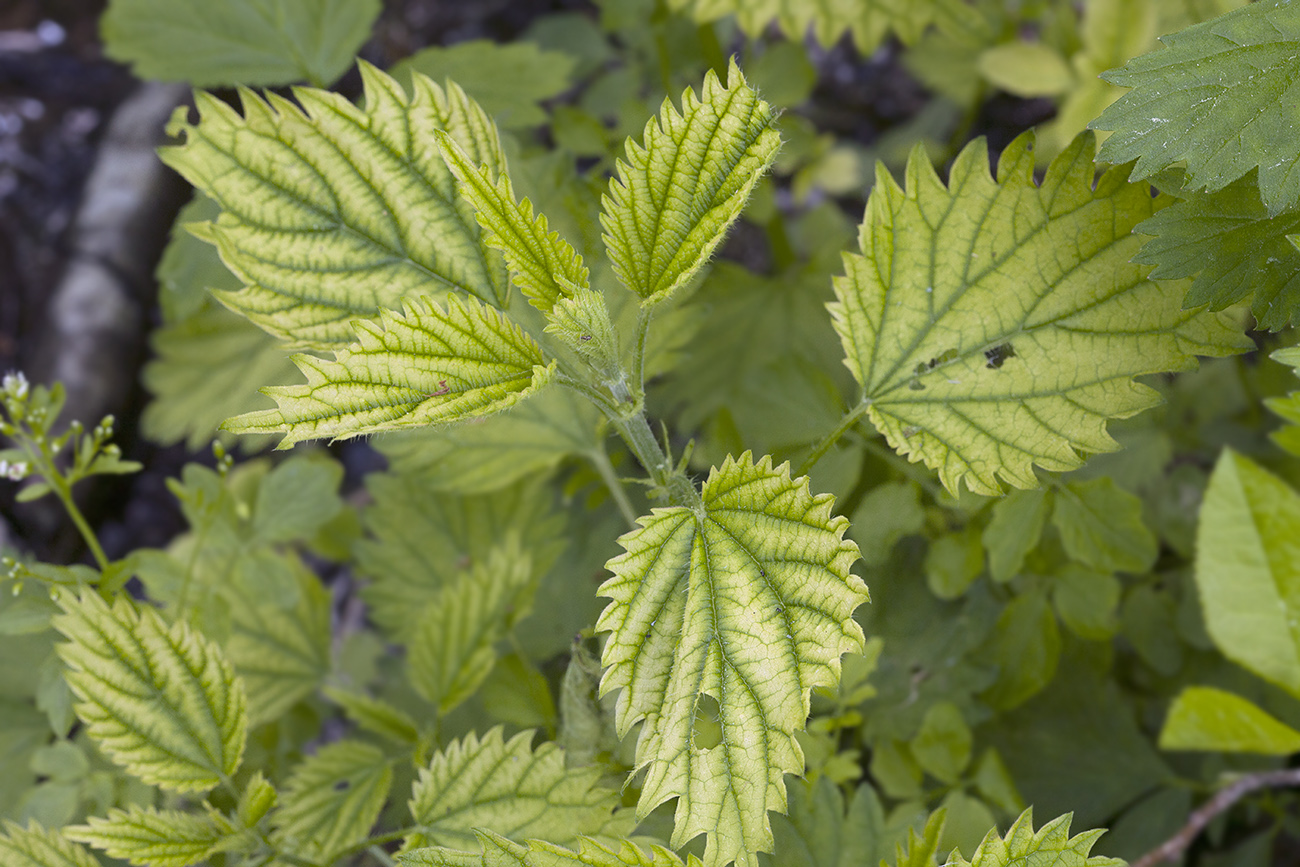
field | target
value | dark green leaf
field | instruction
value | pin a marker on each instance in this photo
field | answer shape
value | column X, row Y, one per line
column 1217, row 98
column 943, row 745
column 1234, row 248
column 1101, row 526
column 1026, row 646
column 1014, row 530
column 1086, row 600
column 297, row 498
column 238, row 41
column 507, row 80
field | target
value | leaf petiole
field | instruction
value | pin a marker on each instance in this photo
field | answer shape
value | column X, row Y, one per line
column 827, row 442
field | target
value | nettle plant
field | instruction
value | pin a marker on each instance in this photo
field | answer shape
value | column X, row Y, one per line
column 992, row 324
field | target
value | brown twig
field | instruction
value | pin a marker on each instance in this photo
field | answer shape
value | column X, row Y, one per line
column 1223, row 799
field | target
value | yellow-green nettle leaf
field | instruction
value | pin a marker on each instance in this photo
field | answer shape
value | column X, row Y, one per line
column 678, row 193
column 517, row 791
column 428, row 365
column 35, row 846
column 1210, row 720
column 995, row 325
column 497, row 851
column 582, row 321
column 162, row 702
column 257, row 799
column 870, row 21
column 151, row 838
column 331, row 801
column 738, row 608
column 543, row 265
column 454, row 648
column 331, row 212
column 1050, row 844
column 1218, row 97
column 920, row 850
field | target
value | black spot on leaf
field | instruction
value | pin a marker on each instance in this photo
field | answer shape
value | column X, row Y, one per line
column 998, row 355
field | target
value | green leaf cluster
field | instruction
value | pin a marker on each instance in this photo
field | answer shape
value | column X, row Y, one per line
column 325, row 670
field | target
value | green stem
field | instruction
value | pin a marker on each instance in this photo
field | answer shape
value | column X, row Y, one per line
column 625, row 410
column 228, row 785
column 846, row 424
column 600, row 460
column 65, row 496
column 381, row 856
column 636, row 432
column 967, row 122
column 42, row 459
column 639, row 347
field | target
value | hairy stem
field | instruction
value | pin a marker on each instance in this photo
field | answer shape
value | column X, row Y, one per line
column 621, row 399
column 638, row 347
column 1173, row 848
column 43, row 460
column 636, row 432
column 846, row 424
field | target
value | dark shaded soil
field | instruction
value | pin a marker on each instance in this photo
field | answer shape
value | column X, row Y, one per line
column 56, row 93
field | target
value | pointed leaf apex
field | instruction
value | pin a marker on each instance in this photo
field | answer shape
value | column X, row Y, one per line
column 673, row 199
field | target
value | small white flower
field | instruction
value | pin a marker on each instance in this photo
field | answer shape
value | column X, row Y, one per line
column 15, row 383
column 17, row 471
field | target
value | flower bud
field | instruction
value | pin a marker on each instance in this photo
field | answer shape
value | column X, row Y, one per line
column 14, row 384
